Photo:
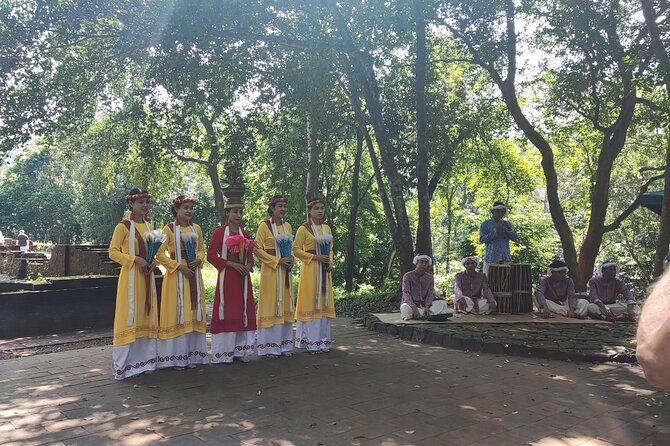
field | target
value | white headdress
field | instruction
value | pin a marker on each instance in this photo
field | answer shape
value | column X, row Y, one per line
column 498, row 205
column 423, row 257
column 557, row 265
column 470, row 259
column 606, row 264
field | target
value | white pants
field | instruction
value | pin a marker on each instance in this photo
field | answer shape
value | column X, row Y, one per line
column 134, row 358
column 230, row 345
column 275, row 340
column 437, row 307
column 470, row 305
column 23, row 249
column 189, row 348
column 313, row 335
column 562, row 309
column 617, row 309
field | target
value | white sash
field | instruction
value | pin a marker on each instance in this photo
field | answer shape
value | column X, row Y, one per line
column 180, row 276
column 319, row 269
column 131, row 277
column 281, row 272
column 224, row 256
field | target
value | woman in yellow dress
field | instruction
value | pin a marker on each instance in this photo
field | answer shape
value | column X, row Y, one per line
column 183, row 319
column 315, row 306
column 275, row 295
column 135, row 318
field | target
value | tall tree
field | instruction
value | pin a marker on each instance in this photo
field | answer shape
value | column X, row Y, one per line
column 604, row 94
column 661, row 53
column 424, row 239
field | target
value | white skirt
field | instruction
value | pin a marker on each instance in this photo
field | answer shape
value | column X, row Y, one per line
column 189, row 348
column 230, row 345
column 275, row 340
column 313, row 335
column 134, row 358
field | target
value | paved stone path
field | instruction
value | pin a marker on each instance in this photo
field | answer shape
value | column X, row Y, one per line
column 372, row 389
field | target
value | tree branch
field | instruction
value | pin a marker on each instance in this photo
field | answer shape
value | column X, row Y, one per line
column 365, row 191
column 652, row 105
column 616, row 224
column 189, row 159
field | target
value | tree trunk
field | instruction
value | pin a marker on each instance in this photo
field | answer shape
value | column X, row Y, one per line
column 379, row 179
column 350, row 261
column 213, row 168
column 663, row 239
column 609, row 150
column 551, row 177
column 405, row 246
column 313, row 155
column 366, row 77
column 424, row 243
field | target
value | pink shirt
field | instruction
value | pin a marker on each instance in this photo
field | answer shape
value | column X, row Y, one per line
column 473, row 285
column 557, row 291
column 607, row 291
column 417, row 289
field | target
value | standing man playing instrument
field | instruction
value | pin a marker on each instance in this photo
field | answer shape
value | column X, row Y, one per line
column 496, row 234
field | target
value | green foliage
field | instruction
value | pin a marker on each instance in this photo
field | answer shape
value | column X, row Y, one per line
column 358, row 305
column 162, row 95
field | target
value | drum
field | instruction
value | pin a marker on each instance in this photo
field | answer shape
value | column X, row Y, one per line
column 522, row 302
column 512, row 287
column 505, row 302
column 499, row 275
column 520, row 278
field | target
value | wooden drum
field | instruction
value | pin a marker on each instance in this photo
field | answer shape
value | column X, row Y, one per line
column 499, row 278
column 512, row 287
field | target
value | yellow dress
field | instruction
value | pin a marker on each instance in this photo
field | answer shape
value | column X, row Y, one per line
column 306, row 308
column 169, row 326
column 142, row 327
column 267, row 294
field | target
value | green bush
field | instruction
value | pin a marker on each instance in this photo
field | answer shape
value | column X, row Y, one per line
column 358, row 305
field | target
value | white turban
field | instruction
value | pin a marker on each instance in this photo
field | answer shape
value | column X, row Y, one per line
column 557, row 265
column 423, row 257
column 470, row 259
column 606, row 264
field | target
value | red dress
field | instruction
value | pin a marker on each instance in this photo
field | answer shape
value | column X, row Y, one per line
column 233, row 288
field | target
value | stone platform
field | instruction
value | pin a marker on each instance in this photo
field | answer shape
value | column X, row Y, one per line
column 520, row 335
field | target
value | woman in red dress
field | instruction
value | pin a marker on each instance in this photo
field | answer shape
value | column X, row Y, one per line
column 230, row 251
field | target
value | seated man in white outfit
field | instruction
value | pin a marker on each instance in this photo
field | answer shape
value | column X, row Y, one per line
column 604, row 290
column 418, row 300
column 556, row 293
column 471, row 290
